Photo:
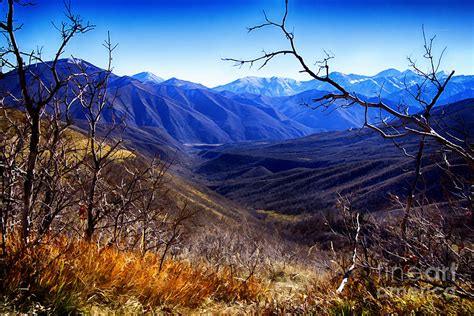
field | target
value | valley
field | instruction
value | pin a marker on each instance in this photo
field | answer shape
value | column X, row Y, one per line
column 307, row 174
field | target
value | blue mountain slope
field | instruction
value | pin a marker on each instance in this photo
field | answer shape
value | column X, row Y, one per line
column 187, row 112
column 200, row 115
column 299, row 108
column 308, row 174
column 392, row 86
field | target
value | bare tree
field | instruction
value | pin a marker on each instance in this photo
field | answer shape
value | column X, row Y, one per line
column 60, row 176
column 435, row 252
column 93, row 96
column 140, row 203
column 11, row 168
column 33, row 100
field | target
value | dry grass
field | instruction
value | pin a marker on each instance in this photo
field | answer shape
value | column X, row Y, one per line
column 319, row 297
column 61, row 276
column 279, row 217
column 74, row 143
column 69, row 276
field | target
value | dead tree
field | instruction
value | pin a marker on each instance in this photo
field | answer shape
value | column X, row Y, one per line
column 12, row 142
column 93, row 96
column 139, row 203
column 149, row 209
column 57, row 164
column 34, row 102
column 174, row 230
column 351, row 268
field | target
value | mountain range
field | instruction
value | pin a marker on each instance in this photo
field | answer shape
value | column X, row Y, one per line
column 293, row 98
column 180, row 113
column 192, row 114
column 389, row 84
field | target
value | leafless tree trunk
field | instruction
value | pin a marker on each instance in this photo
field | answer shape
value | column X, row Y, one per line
column 175, row 231
column 348, row 272
column 93, row 96
column 34, row 104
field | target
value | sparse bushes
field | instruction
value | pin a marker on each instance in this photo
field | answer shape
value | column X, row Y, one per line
column 429, row 269
column 65, row 275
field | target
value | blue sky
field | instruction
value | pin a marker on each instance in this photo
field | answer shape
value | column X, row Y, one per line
column 187, row 39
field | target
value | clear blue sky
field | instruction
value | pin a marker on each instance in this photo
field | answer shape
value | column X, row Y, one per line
column 187, row 39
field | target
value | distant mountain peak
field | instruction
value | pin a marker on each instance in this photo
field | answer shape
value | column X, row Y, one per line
column 442, row 73
column 270, row 86
column 391, row 72
column 408, row 72
column 390, row 82
column 173, row 80
column 183, row 84
column 147, row 76
column 71, row 60
column 76, row 61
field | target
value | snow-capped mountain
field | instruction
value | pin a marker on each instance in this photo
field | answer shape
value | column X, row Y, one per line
column 388, row 83
column 391, row 72
column 392, row 85
column 147, row 76
column 183, row 84
column 272, row 87
column 260, row 108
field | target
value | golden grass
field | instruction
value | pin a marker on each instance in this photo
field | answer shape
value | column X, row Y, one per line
column 61, row 276
column 65, row 276
column 320, row 297
column 81, row 146
column 77, row 146
column 279, row 217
